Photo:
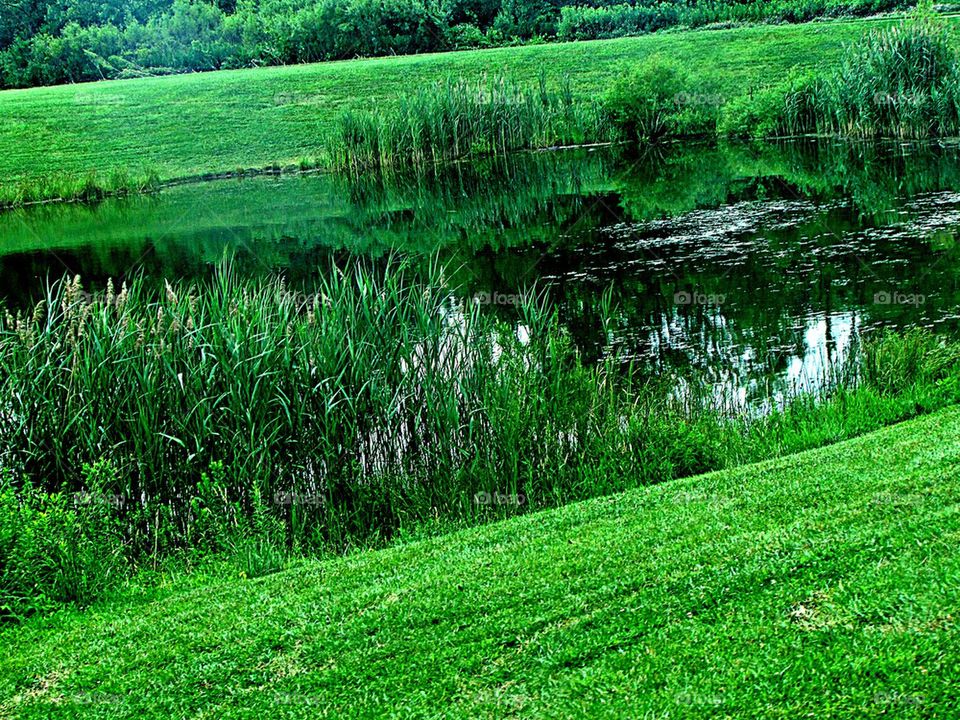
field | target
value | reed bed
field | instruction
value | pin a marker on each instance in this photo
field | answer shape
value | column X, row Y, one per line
column 245, row 417
column 456, row 118
column 897, row 82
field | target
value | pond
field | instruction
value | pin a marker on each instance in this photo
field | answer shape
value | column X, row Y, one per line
column 752, row 269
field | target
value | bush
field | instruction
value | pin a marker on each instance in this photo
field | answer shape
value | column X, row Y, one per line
column 467, row 36
column 594, row 23
column 779, row 110
column 58, row 547
column 659, row 99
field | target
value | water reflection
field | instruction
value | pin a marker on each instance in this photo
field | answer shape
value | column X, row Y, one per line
column 753, row 270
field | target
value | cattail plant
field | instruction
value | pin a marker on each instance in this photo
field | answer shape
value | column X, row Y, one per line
column 243, row 415
column 896, row 82
column 457, row 118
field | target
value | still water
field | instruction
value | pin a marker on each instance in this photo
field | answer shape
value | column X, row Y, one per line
column 754, row 269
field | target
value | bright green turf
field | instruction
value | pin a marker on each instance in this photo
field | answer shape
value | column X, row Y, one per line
column 188, row 124
column 823, row 585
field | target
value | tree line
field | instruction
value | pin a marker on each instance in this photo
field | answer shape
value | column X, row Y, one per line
column 48, row 42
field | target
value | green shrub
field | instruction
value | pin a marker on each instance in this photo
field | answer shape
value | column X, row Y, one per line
column 659, row 99
column 757, row 115
column 59, row 547
column 784, row 109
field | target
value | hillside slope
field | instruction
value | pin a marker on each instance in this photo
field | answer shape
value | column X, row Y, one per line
column 184, row 125
column 822, row 585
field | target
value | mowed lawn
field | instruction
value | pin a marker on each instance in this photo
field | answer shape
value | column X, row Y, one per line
column 184, row 125
column 822, row 585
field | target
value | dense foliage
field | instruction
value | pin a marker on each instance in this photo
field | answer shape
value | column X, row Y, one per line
column 456, row 119
column 44, row 42
column 900, row 81
column 247, row 420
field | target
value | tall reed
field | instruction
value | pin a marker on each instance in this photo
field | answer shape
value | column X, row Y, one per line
column 373, row 402
column 457, row 118
column 245, row 414
column 898, row 82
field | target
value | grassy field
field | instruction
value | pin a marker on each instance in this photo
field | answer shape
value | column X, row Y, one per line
column 184, row 125
column 821, row 585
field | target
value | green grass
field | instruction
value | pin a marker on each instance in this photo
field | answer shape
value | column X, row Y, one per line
column 821, row 585
column 186, row 125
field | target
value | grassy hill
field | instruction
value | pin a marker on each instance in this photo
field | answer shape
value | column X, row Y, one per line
column 184, row 125
column 822, row 585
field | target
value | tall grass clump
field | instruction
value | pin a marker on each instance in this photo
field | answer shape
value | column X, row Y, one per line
column 900, row 82
column 243, row 418
column 457, row 118
column 324, row 419
column 90, row 187
column 659, row 99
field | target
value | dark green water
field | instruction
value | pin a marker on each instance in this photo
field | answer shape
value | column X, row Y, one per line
column 750, row 268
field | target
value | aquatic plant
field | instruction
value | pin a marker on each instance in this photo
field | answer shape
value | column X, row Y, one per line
column 459, row 118
column 244, row 416
column 901, row 81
